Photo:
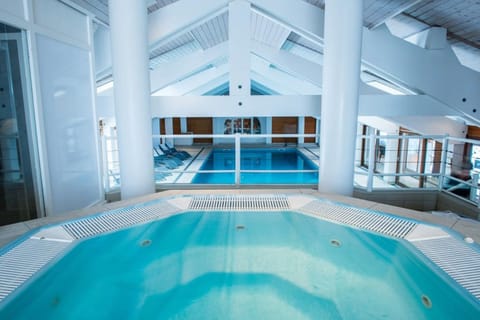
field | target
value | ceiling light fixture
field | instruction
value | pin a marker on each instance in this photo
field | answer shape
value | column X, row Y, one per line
column 104, row 87
column 385, row 88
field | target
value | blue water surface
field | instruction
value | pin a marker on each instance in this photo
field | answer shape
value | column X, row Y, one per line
column 244, row 265
column 258, row 159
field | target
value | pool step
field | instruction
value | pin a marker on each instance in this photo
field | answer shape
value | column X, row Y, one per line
column 239, row 203
column 360, row 218
column 117, row 219
column 24, row 260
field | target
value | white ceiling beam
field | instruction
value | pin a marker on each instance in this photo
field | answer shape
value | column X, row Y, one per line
column 209, row 86
column 437, row 73
column 181, row 17
column 296, row 65
column 168, row 73
column 228, row 106
column 189, row 84
column 239, row 16
column 289, row 83
column 278, row 87
column 298, row 16
column 399, row 10
column 299, row 67
column 388, row 107
column 408, row 105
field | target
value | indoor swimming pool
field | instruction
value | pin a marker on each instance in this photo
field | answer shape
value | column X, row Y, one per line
column 287, row 166
column 235, row 257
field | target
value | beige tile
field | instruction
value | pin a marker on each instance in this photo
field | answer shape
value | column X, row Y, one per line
column 468, row 228
column 10, row 232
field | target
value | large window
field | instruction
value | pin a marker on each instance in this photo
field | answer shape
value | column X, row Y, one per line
column 17, row 197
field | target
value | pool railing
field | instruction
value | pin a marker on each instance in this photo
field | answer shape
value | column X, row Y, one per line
column 426, row 162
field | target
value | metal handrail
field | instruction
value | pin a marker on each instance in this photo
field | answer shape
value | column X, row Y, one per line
column 237, row 139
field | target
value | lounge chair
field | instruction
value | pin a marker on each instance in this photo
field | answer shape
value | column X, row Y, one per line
column 172, row 148
column 175, row 154
column 163, row 156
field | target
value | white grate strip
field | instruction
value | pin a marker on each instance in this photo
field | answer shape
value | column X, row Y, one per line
column 239, row 203
column 457, row 259
column 118, row 219
column 363, row 219
column 20, row 263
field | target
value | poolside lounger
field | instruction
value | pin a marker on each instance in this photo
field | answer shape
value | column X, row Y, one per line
column 177, row 154
column 166, row 156
column 168, row 163
column 172, row 148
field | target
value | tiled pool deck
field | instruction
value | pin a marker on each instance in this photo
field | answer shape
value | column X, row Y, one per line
column 466, row 227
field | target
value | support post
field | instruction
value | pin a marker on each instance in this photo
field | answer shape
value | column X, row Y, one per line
column 371, row 160
column 128, row 30
column 341, row 77
column 443, row 163
column 239, row 47
column 237, row 159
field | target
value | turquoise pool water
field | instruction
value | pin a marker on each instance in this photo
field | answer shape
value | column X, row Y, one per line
column 240, row 266
column 258, row 159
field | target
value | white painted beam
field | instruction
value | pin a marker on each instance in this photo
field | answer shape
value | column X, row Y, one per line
column 399, row 10
column 209, row 86
column 228, row 106
column 180, row 17
column 299, row 67
column 283, row 79
column 189, row 84
column 277, row 86
column 296, row 65
column 239, row 16
column 299, row 16
column 403, row 108
column 434, row 72
column 219, row 106
column 392, row 106
column 168, row 73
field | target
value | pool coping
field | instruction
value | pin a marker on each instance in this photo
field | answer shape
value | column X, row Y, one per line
column 437, row 243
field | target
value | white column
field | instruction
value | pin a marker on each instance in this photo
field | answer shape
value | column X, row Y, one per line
column 183, row 125
column 341, row 76
column 169, row 130
column 268, row 129
column 156, row 131
column 239, row 48
column 301, row 129
column 390, row 160
column 128, row 28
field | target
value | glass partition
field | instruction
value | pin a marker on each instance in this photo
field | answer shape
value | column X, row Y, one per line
column 17, row 196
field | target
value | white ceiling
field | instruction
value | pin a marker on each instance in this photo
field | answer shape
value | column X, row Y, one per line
column 460, row 18
column 404, row 18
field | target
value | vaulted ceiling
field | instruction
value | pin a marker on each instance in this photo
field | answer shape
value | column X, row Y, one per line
column 286, row 60
column 460, row 18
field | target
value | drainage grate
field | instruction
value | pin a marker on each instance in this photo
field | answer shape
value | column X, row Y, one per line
column 457, row 259
column 239, row 203
column 363, row 219
column 117, row 219
column 20, row 263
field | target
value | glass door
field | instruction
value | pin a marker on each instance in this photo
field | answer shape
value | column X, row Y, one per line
column 17, row 196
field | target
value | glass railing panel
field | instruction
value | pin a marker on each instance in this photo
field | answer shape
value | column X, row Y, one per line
column 278, row 163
